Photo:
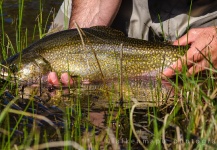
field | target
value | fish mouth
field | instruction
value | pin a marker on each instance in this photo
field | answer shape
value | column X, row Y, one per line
column 6, row 74
column 14, row 78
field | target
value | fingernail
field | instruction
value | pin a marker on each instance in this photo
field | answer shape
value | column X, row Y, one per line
column 66, row 79
column 175, row 42
column 52, row 78
column 167, row 72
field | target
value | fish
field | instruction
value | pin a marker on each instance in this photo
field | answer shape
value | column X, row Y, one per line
column 98, row 55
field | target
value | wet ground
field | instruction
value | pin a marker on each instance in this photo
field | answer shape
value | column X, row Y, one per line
column 95, row 121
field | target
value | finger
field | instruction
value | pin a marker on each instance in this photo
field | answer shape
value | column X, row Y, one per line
column 53, row 79
column 66, row 79
column 168, row 73
column 195, row 55
column 192, row 56
column 189, row 59
column 171, row 70
column 181, row 41
column 200, row 66
column 187, row 38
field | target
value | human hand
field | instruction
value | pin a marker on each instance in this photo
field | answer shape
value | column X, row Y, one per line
column 203, row 43
column 65, row 79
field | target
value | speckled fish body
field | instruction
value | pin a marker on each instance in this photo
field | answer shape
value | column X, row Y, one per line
column 97, row 57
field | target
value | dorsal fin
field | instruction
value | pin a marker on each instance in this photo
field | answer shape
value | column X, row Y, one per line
column 107, row 30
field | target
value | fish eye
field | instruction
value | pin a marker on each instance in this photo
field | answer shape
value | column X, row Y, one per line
column 13, row 68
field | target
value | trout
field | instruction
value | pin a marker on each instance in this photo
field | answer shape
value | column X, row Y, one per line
column 96, row 54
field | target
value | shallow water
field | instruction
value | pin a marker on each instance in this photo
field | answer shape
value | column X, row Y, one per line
column 31, row 11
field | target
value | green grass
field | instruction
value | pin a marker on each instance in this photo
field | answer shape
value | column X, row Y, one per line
column 190, row 121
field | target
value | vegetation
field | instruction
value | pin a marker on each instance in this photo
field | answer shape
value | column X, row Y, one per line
column 187, row 120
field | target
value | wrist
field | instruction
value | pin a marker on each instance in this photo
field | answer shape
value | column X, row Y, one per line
column 87, row 13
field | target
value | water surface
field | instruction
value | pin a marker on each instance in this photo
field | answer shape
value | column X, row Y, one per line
column 30, row 15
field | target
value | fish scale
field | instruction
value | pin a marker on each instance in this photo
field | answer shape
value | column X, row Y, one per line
column 64, row 52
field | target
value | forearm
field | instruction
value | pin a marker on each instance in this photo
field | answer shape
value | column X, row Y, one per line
column 87, row 13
